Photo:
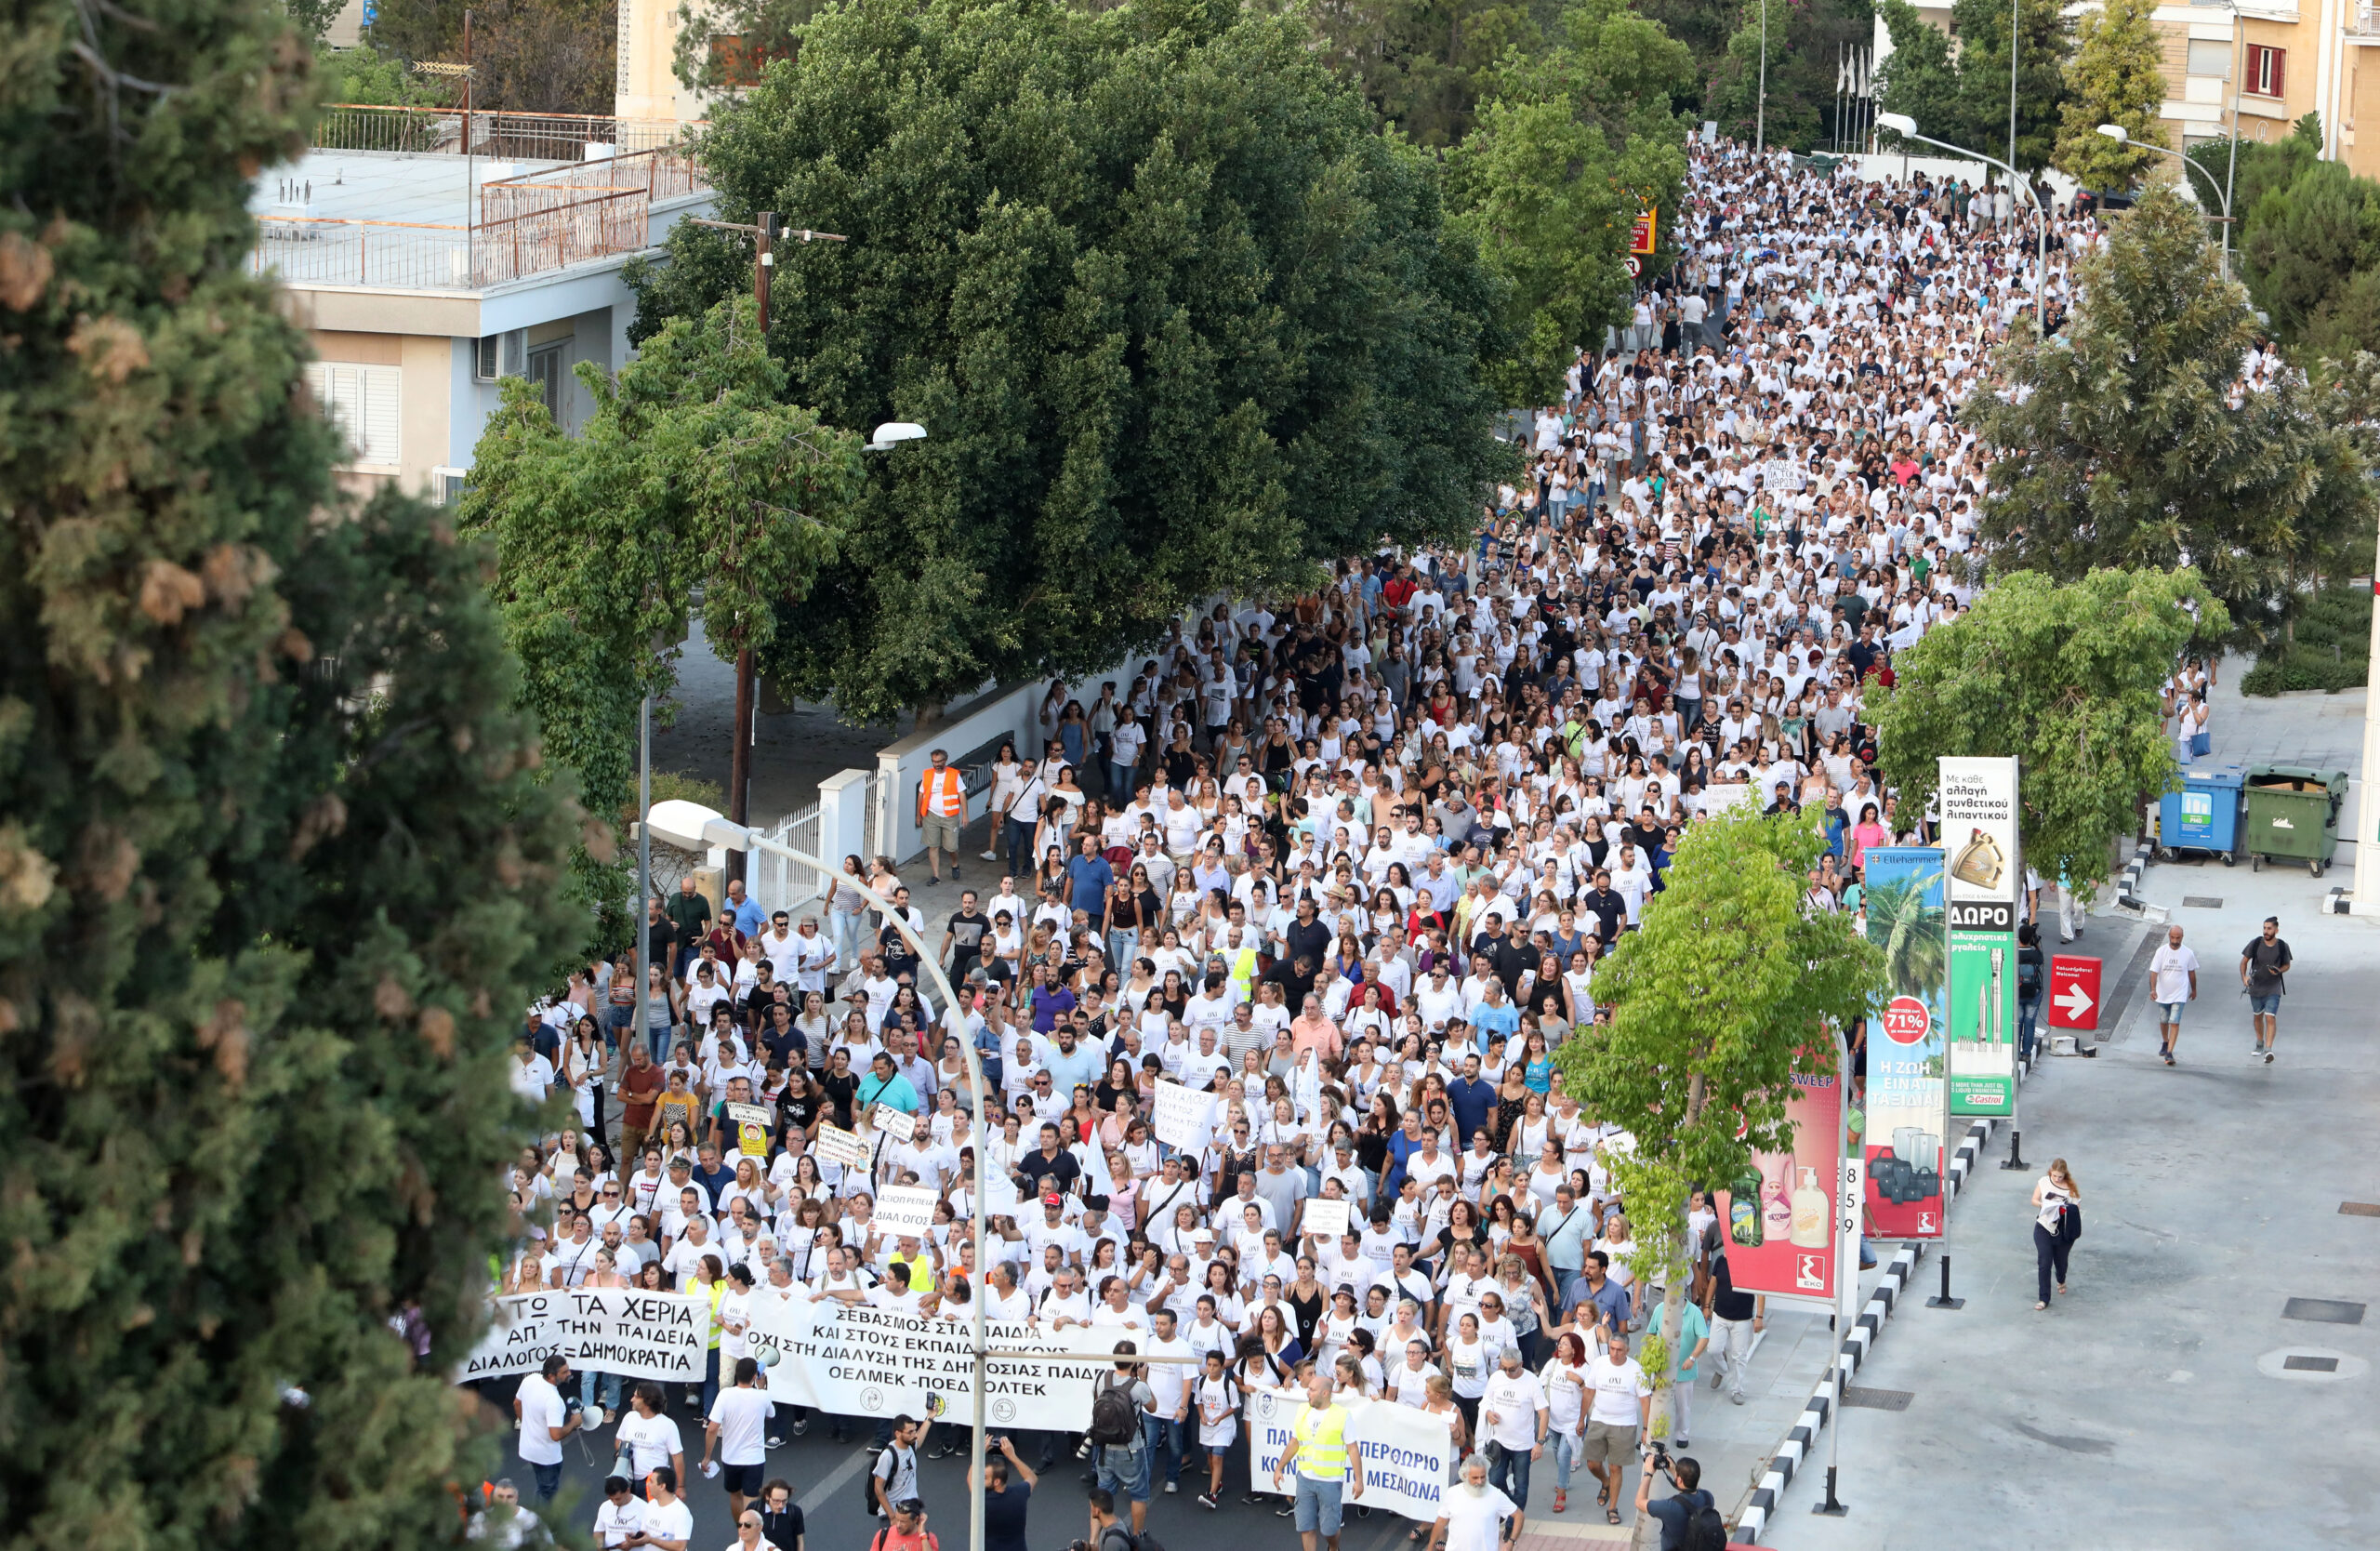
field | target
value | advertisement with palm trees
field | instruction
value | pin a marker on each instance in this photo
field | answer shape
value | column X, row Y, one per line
column 1908, row 1114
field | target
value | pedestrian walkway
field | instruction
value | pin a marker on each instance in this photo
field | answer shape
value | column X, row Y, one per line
column 2178, row 1397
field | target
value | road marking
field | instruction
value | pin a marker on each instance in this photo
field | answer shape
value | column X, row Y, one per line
column 818, row 1496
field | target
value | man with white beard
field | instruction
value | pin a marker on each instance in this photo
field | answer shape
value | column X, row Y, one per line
column 1472, row 1513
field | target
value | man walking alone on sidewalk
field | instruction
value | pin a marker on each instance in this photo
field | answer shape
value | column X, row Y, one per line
column 2263, row 963
column 2173, row 976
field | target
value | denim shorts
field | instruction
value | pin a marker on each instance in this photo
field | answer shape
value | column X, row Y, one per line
column 2170, row 1012
column 1125, row 1473
column 2265, row 1006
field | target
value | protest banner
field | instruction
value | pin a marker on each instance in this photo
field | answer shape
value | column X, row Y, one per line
column 1326, row 1220
column 751, row 1122
column 1407, row 1455
column 893, row 1124
column 905, row 1208
column 519, row 1339
column 855, row 1360
column 836, row 1146
column 1183, row 1116
column 613, row 1330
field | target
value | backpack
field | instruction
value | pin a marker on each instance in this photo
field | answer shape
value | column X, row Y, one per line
column 2028, row 978
column 1705, row 1531
column 1115, row 1421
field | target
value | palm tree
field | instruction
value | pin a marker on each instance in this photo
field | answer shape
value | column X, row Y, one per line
column 1911, row 932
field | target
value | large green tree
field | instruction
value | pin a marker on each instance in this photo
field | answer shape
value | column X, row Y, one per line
column 1578, row 141
column 2066, row 678
column 2304, row 242
column 2117, row 76
column 691, row 475
column 1808, row 40
column 2119, row 444
column 1177, row 318
column 1963, row 97
column 1722, row 996
column 275, row 875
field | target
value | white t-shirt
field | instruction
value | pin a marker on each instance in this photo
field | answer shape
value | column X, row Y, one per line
column 742, row 1413
column 541, row 1410
column 650, row 1441
column 1474, row 1523
column 1618, row 1386
column 615, row 1522
column 1516, row 1398
column 672, row 1520
column 2171, row 968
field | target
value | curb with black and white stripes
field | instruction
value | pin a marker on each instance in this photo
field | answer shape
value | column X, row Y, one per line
column 1801, row 1441
column 2128, row 883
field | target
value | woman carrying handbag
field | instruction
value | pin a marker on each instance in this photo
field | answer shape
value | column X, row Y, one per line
column 2058, row 1202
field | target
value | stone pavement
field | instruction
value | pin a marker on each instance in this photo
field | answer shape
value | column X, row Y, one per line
column 2177, row 1398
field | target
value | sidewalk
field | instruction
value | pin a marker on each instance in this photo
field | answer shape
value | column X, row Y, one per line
column 2158, row 1406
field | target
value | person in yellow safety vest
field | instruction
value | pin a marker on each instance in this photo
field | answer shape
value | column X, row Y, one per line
column 1242, row 956
column 1325, row 1460
column 942, row 812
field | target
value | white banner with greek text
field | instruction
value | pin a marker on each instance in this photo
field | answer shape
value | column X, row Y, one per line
column 1407, row 1455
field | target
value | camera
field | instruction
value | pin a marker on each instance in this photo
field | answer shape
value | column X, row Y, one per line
column 1660, row 1458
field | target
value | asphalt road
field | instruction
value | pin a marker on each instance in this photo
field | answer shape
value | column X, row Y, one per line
column 829, row 1483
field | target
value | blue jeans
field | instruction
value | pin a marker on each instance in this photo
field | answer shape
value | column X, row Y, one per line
column 1508, row 1469
column 1565, row 1457
column 1019, row 852
column 548, row 1479
column 2029, row 1010
column 710, row 1379
column 601, row 1389
column 1119, row 782
column 1161, row 1435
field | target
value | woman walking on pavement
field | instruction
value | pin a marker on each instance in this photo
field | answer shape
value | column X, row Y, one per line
column 2058, row 1202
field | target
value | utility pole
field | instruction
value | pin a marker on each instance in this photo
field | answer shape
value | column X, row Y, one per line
column 1760, row 114
column 763, row 228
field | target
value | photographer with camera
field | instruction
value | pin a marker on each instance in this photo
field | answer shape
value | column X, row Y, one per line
column 1689, row 1518
column 1008, row 1492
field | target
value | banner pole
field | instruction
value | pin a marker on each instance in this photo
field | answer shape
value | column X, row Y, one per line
column 1846, row 1265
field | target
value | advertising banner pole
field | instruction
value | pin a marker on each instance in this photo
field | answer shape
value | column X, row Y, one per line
column 1846, row 1270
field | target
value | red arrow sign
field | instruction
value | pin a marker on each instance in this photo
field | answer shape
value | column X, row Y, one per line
column 2073, row 992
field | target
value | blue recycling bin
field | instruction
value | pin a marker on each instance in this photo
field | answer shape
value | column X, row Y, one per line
column 2204, row 814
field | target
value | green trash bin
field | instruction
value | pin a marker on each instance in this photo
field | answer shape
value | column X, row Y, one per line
column 2293, row 812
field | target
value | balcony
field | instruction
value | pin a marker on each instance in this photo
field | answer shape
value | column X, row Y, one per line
column 385, row 197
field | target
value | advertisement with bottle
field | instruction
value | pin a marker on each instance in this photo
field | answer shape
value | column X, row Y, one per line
column 1908, row 1110
column 1778, row 1214
column 1977, row 799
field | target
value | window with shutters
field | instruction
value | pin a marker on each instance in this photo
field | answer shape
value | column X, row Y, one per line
column 2210, row 57
column 366, row 403
column 2264, row 70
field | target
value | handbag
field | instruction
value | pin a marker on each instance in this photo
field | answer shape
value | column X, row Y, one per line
column 2201, row 744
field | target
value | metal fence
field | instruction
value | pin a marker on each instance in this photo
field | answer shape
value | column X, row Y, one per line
column 775, row 884
column 539, row 137
column 530, row 224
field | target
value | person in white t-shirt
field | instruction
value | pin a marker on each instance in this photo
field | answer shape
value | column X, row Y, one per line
column 1513, row 1416
column 1471, row 1513
column 668, row 1523
column 2173, row 973
column 649, row 1438
column 546, row 1419
column 620, row 1517
column 738, row 1432
column 1622, row 1397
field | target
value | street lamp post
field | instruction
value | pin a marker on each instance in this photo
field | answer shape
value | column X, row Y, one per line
column 1760, row 111
column 1906, row 127
column 695, row 827
column 2122, row 135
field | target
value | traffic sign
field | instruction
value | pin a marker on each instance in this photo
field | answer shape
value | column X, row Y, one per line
column 2073, row 992
column 1636, row 267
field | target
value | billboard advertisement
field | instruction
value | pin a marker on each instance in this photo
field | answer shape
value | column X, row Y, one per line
column 1908, row 1112
column 1778, row 1214
column 1985, row 883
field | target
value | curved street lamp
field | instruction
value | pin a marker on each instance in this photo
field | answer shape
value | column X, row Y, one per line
column 2122, row 135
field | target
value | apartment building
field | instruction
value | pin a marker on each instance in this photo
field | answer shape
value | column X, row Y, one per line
column 432, row 253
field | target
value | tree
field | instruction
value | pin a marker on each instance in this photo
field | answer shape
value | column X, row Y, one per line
column 2067, row 679
column 1807, row 39
column 315, row 17
column 1426, row 65
column 527, row 56
column 2117, row 76
column 1178, row 319
column 692, row 474
column 2305, row 241
column 2119, row 446
column 275, row 875
column 1964, row 99
column 1722, row 996
column 1576, row 141
column 365, row 75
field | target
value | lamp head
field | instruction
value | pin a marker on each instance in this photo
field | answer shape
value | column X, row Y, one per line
column 2116, row 132
column 1899, row 123
column 692, row 826
column 892, row 433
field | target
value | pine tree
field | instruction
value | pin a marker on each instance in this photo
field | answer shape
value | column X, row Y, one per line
column 2115, row 78
column 275, row 878
column 2120, row 446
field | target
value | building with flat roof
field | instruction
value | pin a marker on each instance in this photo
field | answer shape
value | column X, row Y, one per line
column 431, row 253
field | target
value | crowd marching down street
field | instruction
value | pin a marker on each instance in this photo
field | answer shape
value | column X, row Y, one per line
column 1341, row 869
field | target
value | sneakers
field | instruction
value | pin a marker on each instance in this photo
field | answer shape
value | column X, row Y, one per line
column 991, row 855
column 2168, row 1055
column 801, row 1426
column 1716, row 1378
column 2267, row 1055
column 1172, row 1486
column 1681, row 1441
column 1206, row 1502
column 775, row 1443
column 1738, row 1396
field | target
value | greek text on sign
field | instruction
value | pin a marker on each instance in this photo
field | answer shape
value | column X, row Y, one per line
column 861, row 1361
column 1325, row 1219
column 611, row 1330
column 899, row 1125
column 1183, row 1116
column 836, row 1146
column 907, row 1209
